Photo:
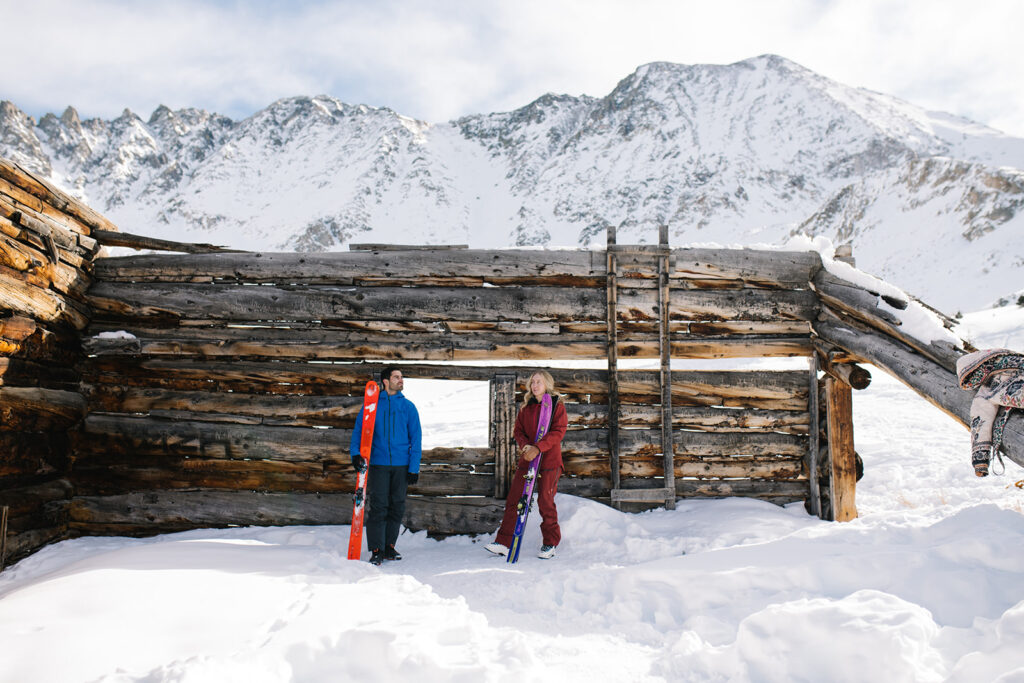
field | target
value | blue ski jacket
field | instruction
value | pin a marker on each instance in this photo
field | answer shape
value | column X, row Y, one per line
column 397, row 437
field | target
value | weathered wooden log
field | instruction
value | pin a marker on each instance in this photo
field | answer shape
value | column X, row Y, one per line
column 123, row 435
column 308, row 411
column 65, row 278
column 775, row 390
column 29, row 294
column 776, row 491
column 128, row 434
column 17, row 372
column 612, row 352
column 519, row 303
column 79, row 258
column 772, row 269
column 306, row 345
column 811, row 462
column 30, row 339
column 25, row 500
column 712, row 466
column 199, row 330
column 340, row 268
column 648, row 442
column 665, row 373
column 148, row 512
column 37, row 409
column 21, row 545
column 15, row 199
column 929, row 379
column 442, row 347
column 116, row 238
column 137, row 436
column 848, row 373
column 714, row 305
column 18, row 256
column 35, row 516
column 28, row 457
column 842, row 459
column 51, row 196
column 304, row 302
column 46, row 226
column 371, row 246
column 195, row 509
column 3, row 535
column 110, row 475
column 699, row 418
column 501, row 421
column 867, row 307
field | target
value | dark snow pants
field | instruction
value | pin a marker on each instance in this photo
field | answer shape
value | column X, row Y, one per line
column 386, row 486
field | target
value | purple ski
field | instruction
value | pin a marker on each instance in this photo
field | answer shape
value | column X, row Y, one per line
column 529, row 481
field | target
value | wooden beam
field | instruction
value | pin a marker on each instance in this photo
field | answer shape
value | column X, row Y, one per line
column 147, row 512
column 733, row 267
column 306, row 303
column 693, row 418
column 661, row 495
column 3, row 535
column 502, row 421
column 647, row 443
column 612, row 352
column 370, row 246
column 46, row 192
column 344, row 268
column 768, row 390
column 665, row 376
column 848, row 373
column 870, row 308
column 930, row 380
column 36, row 409
column 268, row 409
column 337, row 344
column 843, row 459
column 814, row 499
column 111, row 238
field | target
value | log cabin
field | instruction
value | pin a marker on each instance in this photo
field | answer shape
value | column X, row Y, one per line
column 161, row 392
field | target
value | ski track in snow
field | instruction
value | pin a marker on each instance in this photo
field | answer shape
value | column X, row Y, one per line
column 924, row 586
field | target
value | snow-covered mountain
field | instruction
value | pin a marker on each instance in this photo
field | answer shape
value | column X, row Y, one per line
column 748, row 153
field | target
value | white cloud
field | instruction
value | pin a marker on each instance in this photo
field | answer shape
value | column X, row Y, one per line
column 442, row 59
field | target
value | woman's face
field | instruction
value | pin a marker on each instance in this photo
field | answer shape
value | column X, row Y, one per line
column 537, row 386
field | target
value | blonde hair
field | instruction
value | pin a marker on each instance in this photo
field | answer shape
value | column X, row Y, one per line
column 549, row 385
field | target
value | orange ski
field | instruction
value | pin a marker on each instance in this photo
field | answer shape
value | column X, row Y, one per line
column 355, row 538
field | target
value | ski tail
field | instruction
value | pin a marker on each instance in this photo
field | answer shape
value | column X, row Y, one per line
column 513, row 550
column 355, row 536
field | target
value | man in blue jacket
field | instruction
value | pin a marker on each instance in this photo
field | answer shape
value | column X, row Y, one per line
column 394, row 464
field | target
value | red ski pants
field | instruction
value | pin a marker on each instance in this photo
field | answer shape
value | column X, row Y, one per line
column 547, row 486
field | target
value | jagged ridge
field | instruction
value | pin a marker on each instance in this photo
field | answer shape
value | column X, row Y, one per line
column 745, row 153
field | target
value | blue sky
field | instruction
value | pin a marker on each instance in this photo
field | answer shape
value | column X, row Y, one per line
column 439, row 59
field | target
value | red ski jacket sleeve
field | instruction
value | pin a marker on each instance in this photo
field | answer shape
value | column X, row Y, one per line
column 551, row 445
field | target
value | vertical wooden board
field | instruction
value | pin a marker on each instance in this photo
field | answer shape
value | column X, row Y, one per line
column 3, row 535
column 503, row 420
column 666, row 370
column 611, row 319
column 843, row 458
column 812, row 446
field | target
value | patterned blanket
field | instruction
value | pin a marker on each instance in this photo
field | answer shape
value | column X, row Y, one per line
column 998, row 377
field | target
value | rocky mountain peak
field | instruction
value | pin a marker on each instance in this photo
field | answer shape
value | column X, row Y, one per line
column 750, row 152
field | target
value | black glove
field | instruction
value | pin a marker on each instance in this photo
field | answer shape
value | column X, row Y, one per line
column 412, row 477
column 358, row 463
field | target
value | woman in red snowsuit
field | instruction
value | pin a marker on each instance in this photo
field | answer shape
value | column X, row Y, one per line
column 549, row 449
